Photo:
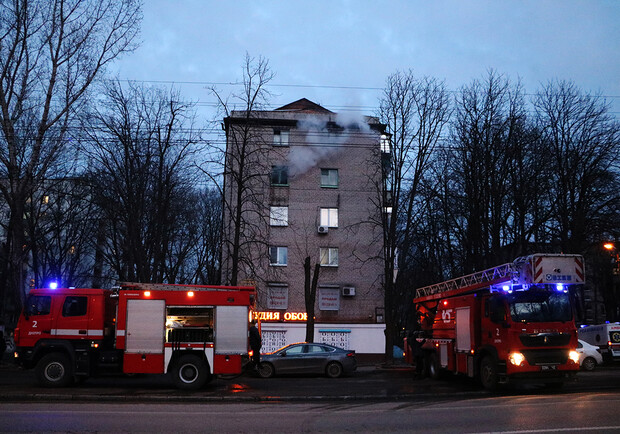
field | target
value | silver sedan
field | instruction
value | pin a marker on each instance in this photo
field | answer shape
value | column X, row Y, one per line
column 308, row 358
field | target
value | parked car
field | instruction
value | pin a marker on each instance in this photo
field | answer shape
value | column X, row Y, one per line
column 308, row 358
column 589, row 355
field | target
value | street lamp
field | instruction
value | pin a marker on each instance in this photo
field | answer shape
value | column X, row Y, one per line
column 615, row 272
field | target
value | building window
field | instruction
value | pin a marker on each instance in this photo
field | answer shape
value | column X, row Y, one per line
column 329, row 298
column 279, row 175
column 277, row 296
column 329, row 256
column 329, row 178
column 335, row 338
column 273, row 340
column 329, row 217
column 278, row 256
column 385, row 144
column 280, row 137
column 278, row 216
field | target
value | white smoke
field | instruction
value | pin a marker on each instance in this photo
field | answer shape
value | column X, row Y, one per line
column 325, row 136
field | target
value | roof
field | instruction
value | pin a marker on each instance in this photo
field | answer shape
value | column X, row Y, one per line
column 304, row 105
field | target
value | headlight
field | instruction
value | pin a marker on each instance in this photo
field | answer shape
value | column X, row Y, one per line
column 574, row 356
column 516, row 358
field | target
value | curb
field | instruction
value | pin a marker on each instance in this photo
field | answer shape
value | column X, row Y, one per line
column 37, row 397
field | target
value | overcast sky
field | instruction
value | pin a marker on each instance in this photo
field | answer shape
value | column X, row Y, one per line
column 319, row 48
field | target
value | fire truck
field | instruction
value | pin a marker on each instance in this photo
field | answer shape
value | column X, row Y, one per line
column 191, row 331
column 510, row 323
column 606, row 336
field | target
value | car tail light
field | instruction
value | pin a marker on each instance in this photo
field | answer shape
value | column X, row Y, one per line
column 351, row 354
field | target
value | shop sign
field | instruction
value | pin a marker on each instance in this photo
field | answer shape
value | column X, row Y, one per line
column 280, row 316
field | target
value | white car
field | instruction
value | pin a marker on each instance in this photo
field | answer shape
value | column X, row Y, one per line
column 589, row 355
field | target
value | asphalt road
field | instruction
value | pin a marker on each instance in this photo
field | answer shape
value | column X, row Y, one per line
column 370, row 383
column 374, row 399
column 578, row 412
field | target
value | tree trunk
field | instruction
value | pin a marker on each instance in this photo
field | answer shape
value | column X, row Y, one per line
column 310, row 285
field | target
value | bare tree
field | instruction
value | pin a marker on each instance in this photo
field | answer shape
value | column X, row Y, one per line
column 143, row 144
column 59, row 227
column 582, row 143
column 311, row 281
column 244, row 170
column 51, row 52
column 208, row 248
column 488, row 120
column 415, row 112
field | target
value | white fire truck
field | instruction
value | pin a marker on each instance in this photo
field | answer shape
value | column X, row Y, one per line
column 605, row 336
column 190, row 331
column 513, row 322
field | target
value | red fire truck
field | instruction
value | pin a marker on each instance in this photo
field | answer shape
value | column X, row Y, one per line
column 190, row 331
column 511, row 323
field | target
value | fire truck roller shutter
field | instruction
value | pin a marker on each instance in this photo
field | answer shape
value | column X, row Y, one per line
column 145, row 326
column 231, row 330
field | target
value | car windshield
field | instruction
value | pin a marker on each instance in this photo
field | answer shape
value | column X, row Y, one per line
column 540, row 306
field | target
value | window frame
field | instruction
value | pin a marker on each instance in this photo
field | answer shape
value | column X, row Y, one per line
column 278, row 218
column 279, row 172
column 327, row 177
column 278, row 256
column 328, row 211
column 283, row 137
column 283, row 289
column 329, row 256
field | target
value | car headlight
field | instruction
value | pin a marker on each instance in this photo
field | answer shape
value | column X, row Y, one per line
column 574, row 356
column 516, row 358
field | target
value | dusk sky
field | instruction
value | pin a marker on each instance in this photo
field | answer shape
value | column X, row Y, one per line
column 338, row 53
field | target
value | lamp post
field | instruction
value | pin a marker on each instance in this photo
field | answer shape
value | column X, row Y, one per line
column 614, row 276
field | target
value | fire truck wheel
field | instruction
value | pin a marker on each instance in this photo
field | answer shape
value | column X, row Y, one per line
column 266, row 370
column 190, row 372
column 488, row 373
column 54, row 370
column 434, row 369
column 333, row 370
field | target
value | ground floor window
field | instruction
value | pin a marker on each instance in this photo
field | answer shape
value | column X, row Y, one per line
column 337, row 338
column 273, row 340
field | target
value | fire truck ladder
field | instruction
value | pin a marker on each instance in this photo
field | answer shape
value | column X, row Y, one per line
column 464, row 284
column 178, row 287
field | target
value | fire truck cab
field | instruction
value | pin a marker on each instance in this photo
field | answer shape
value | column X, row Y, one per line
column 511, row 323
column 190, row 331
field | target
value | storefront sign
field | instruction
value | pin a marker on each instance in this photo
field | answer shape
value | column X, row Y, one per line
column 329, row 298
column 277, row 297
column 280, row 316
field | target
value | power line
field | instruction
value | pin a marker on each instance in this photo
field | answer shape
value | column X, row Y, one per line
column 306, row 86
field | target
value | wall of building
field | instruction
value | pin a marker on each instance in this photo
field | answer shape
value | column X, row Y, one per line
column 314, row 142
column 364, row 339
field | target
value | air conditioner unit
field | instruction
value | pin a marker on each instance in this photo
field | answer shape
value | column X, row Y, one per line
column 348, row 291
column 322, row 229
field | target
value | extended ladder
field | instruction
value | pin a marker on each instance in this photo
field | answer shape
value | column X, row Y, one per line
column 464, row 284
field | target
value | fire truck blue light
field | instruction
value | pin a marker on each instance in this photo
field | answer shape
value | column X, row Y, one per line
column 53, row 285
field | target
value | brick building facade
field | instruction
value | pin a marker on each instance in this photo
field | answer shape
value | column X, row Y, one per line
column 307, row 186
